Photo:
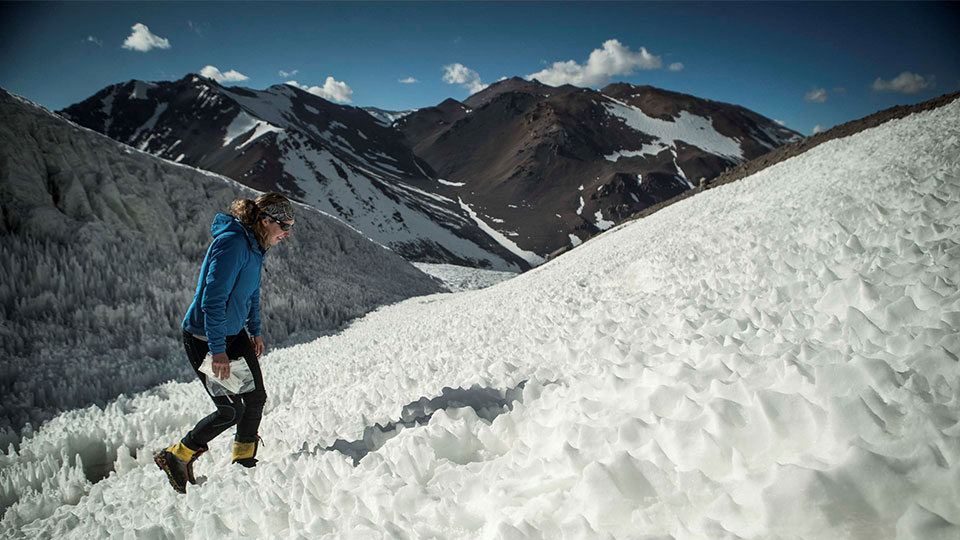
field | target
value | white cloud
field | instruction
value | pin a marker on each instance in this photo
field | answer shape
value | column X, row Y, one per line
column 409, row 80
column 460, row 74
column 211, row 72
column 613, row 59
column 141, row 39
column 332, row 90
column 905, row 83
column 817, row 129
column 676, row 66
column 95, row 41
column 195, row 27
column 817, row 95
column 286, row 74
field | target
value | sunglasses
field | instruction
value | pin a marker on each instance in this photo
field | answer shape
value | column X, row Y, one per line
column 283, row 226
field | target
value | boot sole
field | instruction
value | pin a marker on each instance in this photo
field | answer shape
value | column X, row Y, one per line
column 162, row 465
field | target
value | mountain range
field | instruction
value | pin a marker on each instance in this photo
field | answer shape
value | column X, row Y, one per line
column 338, row 159
column 500, row 180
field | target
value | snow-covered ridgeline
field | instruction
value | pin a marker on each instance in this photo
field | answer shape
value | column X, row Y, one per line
column 790, row 371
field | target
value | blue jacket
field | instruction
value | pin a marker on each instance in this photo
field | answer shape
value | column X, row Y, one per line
column 228, row 291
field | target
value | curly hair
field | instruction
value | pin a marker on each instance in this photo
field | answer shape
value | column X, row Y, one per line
column 248, row 211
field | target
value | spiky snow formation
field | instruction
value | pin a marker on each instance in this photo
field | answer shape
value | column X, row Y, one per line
column 101, row 250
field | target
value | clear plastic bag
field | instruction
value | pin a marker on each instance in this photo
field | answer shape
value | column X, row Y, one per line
column 240, row 380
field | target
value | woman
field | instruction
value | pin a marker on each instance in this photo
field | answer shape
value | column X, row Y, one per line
column 226, row 306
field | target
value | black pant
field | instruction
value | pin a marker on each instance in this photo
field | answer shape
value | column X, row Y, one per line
column 244, row 410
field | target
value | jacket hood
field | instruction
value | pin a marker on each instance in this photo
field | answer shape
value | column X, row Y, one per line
column 224, row 223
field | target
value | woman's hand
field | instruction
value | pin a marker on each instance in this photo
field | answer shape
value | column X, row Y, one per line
column 258, row 345
column 221, row 366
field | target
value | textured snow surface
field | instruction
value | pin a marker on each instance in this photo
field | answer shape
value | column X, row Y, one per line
column 464, row 278
column 689, row 128
column 790, row 371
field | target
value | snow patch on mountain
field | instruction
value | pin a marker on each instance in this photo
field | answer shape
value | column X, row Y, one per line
column 149, row 125
column 651, row 149
column 601, row 223
column 207, row 97
column 439, row 198
column 387, row 118
column 242, row 124
column 683, row 177
column 349, row 193
column 501, row 238
column 272, row 105
column 778, row 135
column 140, row 89
column 686, row 127
column 108, row 109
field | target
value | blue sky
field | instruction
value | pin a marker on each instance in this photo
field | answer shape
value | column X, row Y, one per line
column 806, row 64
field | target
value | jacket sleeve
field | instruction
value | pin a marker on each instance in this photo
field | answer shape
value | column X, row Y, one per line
column 226, row 258
column 253, row 319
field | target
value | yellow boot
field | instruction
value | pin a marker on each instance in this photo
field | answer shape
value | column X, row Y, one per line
column 175, row 460
column 244, row 452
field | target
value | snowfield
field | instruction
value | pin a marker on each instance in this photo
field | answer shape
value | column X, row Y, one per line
column 790, row 370
column 463, row 278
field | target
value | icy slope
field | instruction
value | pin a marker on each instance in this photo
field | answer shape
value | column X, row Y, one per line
column 789, row 372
